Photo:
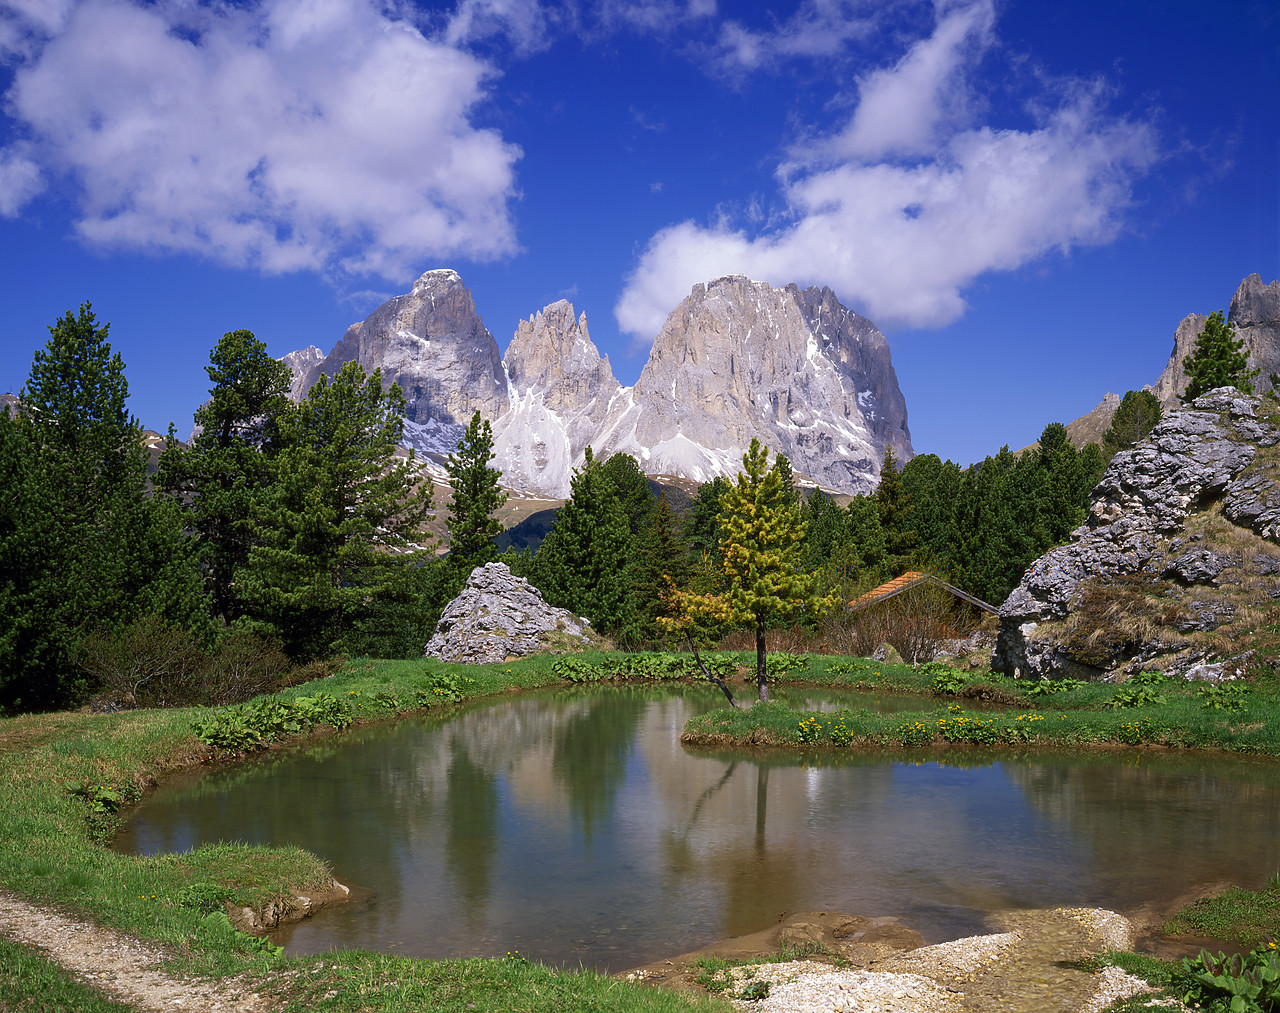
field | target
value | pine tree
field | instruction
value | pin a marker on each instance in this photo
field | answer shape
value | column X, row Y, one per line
column 476, row 498
column 1217, row 360
column 336, row 537
column 227, row 467
column 1138, row 413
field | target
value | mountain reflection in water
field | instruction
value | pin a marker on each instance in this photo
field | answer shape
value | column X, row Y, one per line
column 574, row 828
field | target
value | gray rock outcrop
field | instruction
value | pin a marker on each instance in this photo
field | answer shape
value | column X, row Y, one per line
column 1186, row 512
column 498, row 616
column 1255, row 312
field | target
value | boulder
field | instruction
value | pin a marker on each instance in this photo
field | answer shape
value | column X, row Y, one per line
column 499, row 616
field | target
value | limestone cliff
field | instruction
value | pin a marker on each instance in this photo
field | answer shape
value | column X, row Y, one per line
column 561, row 390
column 1180, row 546
column 737, row 359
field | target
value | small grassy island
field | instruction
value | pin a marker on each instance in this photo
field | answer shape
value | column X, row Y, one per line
column 69, row 776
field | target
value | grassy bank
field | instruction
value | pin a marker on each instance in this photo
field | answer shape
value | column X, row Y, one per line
column 1149, row 710
column 69, row 776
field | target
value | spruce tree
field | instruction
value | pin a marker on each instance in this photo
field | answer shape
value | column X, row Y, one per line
column 897, row 513
column 1217, row 360
column 476, row 498
column 227, row 467
column 580, row 564
column 661, row 565
column 335, row 539
column 83, row 548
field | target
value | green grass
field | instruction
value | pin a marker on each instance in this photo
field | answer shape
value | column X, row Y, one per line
column 356, row 980
column 1165, row 713
column 31, row 984
column 1246, row 917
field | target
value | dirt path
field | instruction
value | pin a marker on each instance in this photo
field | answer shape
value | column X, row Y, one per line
column 118, row 965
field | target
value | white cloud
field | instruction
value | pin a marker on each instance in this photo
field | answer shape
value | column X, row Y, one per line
column 525, row 23
column 902, row 237
column 818, row 28
column 284, row 134
column 901, row 109
column 20, row 179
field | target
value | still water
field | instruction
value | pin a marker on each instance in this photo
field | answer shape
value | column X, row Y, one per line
column 574, row 828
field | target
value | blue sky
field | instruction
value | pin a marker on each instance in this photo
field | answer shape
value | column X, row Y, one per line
column 1026, row 198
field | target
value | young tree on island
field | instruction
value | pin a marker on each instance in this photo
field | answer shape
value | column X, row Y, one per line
column 476, row 497
column 1218, row 360
column 764, row 558
column 336, row 537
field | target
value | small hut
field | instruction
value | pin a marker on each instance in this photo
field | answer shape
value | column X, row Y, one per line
column 916, row 613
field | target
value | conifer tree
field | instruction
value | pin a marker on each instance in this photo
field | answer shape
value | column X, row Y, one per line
column 227, row 467
column 580, row 564
column 897, row 513
column 1217, row 360
column 82, row 547
column 1138, row 413
column 662, row 565
column 476, row 498
column 702, row 523
column 762, row 543
column 865, row 533
column 336, row 537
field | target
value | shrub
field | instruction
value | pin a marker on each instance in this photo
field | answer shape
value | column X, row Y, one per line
column 1242, row 983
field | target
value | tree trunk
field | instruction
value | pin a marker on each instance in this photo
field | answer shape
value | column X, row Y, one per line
column 711, row 678
column 762, row 676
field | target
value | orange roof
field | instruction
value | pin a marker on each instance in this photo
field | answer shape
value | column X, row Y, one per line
column 897, row 584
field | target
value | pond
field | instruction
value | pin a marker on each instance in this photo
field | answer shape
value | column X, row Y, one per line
column 574, row 828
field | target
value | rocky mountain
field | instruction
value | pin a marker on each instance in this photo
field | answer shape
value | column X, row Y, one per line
column 431, row 342
column 736, row 359
column 1176, row 563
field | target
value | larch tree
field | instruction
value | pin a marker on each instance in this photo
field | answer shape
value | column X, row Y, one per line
column 763, row 547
